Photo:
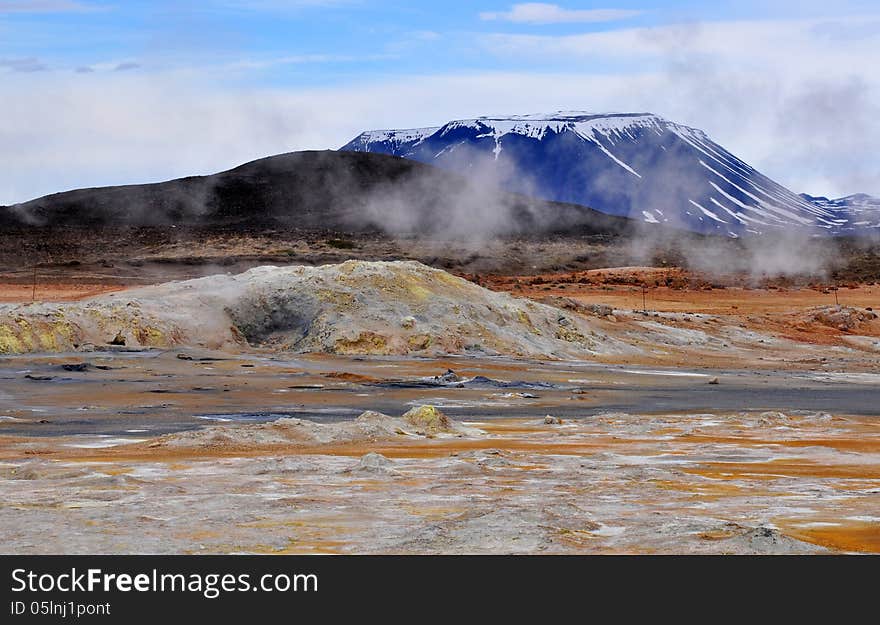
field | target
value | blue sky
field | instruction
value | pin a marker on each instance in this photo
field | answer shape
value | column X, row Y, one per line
column 325, row 42
column 104, row 92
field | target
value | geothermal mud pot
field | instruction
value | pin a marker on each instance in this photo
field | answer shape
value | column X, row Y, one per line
column 392, row 408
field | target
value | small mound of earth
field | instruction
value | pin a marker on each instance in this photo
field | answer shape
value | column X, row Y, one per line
column 429, row 421
column 40, row 470
column 567, row 303
column 774, row 418
column 765, row 540
column 355, row 307
column 368, row 427
column 842, row 318
column 372, row 463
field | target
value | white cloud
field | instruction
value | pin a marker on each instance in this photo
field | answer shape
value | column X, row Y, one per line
column 542, row 13
column 792, row 45
column 306, row 59
column 126, row 66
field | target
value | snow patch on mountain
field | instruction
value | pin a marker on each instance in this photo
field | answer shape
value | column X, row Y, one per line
column 395, row 138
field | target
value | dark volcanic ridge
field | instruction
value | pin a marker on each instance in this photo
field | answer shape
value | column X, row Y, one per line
column 317, row 191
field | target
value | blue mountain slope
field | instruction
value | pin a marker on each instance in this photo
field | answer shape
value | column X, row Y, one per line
column 636, row 165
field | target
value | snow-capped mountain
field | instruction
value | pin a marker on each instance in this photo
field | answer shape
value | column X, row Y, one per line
column 637, row 165
column 861, row 210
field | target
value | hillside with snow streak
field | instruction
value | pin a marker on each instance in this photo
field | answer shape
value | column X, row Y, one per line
column 635, row 165
column 861, row 211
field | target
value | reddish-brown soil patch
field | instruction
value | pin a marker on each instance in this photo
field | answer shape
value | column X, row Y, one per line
column 52, row 292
